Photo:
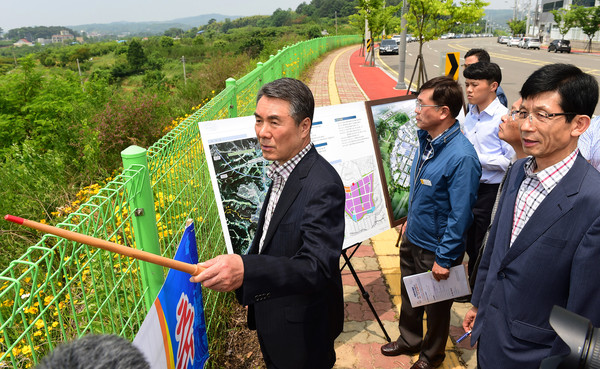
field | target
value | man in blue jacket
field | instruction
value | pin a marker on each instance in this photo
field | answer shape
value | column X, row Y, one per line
column 444, row 180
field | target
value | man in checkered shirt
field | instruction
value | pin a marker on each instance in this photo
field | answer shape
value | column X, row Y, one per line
column 544, row 244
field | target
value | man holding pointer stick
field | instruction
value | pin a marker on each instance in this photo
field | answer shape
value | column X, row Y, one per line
column 290, row 278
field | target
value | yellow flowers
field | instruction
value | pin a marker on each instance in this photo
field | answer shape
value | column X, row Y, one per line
column 39, row 324
column 30, row 310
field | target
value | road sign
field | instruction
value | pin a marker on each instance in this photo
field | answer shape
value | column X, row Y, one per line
column 452, row 65
column 369, row 44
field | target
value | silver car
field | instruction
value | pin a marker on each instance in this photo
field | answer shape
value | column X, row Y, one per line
column 532, row 43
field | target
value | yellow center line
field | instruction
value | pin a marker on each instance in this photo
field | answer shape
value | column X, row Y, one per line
column 334, row 96
column 393, row 72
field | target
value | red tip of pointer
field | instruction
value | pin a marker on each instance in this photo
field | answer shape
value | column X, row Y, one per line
column 14, row 219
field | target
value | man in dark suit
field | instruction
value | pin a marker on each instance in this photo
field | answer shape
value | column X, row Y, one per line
column 544, row 244
column 290, row 279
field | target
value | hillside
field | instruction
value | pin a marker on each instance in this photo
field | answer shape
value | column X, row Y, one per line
column 154, row 27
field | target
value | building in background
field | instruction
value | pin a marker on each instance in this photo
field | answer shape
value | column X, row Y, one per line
column 542, row 21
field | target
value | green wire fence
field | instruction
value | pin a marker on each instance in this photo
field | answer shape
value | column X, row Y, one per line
column 59, row 290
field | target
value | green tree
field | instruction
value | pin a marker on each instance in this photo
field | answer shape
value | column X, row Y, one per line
column 174, row 32
column 281, row 18
column 564, row 19
column 378, row 18
column 135, row 55
column 429, row 19
column 517, row 27
column 306, row 9
column 588, row 19
column 166, row 42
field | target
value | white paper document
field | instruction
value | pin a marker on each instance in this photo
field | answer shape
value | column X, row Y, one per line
column 423, row 289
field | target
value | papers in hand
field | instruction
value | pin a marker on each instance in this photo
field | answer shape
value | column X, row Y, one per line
column 423, row 289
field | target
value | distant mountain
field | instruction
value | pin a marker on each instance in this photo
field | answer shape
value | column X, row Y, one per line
column 499, row 16
column 149, row 28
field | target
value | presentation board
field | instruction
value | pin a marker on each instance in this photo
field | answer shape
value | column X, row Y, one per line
column 346, row 135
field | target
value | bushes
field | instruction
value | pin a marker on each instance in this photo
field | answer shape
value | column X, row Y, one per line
column 138, row 119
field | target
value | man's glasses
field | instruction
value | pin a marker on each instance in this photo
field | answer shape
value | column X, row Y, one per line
column 540, row 116
column 421, row 106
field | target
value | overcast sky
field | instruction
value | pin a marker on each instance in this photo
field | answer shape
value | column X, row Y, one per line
column 14, row 14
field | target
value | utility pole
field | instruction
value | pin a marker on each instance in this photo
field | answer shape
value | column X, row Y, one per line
column 80, row 79
column 402, row 50
column 336, row 22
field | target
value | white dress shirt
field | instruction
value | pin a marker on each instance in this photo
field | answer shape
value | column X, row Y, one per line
column 481, row 128
column 589, row 143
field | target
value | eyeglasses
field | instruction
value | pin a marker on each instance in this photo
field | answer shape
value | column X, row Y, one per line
column 420, row 106
column 540, row 116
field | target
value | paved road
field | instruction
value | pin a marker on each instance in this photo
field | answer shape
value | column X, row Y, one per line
column 516, row 64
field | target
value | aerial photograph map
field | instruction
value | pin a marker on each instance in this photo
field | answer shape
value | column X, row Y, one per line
column 396, row 130
column 240, row 171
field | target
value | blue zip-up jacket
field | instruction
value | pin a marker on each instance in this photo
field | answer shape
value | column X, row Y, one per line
column 442, row 194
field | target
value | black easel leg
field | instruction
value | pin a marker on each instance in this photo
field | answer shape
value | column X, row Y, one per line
column 364, row 293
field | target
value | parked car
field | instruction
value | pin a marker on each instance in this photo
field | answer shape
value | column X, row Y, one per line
column 503, row 39
column 560, row 45
column 522, row 41
column 397, row 38
column 388, row 47
column 531, row 43
column 514, row 41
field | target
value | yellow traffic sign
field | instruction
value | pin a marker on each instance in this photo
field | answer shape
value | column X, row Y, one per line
column 369, row 44
column 452, row 65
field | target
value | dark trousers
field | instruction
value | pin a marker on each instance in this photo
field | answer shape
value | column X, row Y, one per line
column 482, row 214
column 414, row 260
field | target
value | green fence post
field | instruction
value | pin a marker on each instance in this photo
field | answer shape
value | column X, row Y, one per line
column 145, row 230
column 230, row 83
column 260, row 73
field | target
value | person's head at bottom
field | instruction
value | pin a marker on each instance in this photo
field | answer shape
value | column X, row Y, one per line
column 95, row 352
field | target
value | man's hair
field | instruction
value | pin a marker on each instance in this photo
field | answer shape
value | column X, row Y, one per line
column 446, row 91
column 578, row 91
column 302, row 102
column 484, row 70
column 481, row 54
column 95, row 352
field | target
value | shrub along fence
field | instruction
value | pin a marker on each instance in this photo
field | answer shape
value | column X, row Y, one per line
column 59, row 290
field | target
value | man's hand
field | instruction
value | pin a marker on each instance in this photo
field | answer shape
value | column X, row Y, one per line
column 224, row 273
column 469, row 319
column 439, row 272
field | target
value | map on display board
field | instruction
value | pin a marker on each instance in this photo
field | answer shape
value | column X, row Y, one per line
column 342, row 134
column 395, row 129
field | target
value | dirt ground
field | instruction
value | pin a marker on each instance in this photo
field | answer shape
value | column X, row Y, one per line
column 243, row 349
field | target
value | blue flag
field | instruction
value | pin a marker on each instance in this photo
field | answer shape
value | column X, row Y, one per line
column 173, row 334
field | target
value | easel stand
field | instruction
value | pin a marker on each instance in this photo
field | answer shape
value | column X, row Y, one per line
column 363, row 292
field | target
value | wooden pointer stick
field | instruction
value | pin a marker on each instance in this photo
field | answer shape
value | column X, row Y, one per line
column 192, row 269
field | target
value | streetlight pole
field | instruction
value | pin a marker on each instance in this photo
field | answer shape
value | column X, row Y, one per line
column 402, row 50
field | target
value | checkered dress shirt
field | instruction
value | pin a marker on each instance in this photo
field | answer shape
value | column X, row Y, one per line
column 279, row 175
column 534, row 189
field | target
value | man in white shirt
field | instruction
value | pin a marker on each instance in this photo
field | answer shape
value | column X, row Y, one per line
column 589, row 143
column 481, row 128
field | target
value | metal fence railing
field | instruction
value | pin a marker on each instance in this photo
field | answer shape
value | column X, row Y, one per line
column 59, row 290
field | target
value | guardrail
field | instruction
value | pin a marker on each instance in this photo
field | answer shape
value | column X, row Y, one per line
column 59, row 290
